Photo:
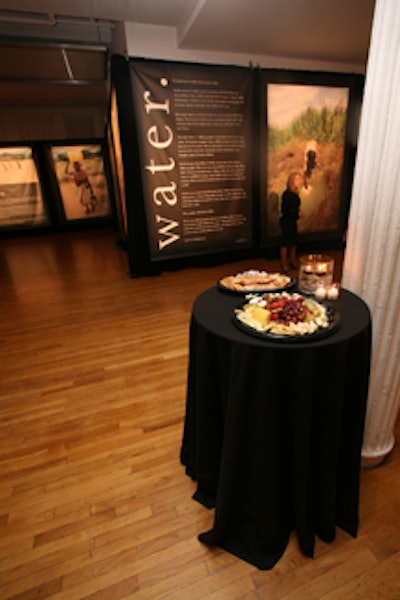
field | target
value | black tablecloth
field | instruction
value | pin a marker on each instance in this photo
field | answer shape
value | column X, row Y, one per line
column 273, row 431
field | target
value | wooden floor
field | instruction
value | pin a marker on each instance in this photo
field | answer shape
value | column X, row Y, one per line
column 94, row 503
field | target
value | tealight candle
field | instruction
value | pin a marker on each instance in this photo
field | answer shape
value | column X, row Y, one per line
column 333, row 292
column 320, row 292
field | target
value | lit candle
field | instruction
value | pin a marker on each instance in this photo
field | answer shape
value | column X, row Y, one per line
column 321, row 269
column 333, row 292
column 320, row 292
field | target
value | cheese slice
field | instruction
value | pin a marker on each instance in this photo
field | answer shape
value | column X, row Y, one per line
column 261, row 315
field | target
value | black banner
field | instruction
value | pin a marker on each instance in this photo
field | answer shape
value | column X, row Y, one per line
column 194, row 136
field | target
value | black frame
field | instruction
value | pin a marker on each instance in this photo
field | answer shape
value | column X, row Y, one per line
column 354, row 84
column 138, row 245
column 62, row 219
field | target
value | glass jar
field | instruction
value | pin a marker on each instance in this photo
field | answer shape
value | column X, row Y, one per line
column 315, row 270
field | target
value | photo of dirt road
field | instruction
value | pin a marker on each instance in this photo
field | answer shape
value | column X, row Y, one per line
column 303, row 118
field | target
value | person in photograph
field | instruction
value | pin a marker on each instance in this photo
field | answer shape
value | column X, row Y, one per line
column 290, row 213
column 310, row 161
column 87, row 196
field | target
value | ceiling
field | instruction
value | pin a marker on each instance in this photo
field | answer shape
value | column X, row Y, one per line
column 52, row 51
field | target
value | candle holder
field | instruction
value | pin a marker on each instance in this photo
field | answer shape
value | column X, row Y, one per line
column 315, row 271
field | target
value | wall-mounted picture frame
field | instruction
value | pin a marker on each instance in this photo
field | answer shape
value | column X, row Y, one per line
column 309, row 119
column 21, row 199
column 80, row 172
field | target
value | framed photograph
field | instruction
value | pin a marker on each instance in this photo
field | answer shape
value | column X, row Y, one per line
column 21, row 199
column 307, row 131
column 80, row 173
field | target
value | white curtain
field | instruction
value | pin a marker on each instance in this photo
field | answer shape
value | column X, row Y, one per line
column 372, row 259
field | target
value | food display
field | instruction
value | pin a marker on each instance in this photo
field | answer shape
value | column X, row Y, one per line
column 253, row 281
column 285, row 315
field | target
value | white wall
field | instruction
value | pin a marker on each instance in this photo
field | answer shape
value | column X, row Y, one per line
column 152, row 41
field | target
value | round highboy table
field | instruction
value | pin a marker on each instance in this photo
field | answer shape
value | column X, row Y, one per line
column 273, row 430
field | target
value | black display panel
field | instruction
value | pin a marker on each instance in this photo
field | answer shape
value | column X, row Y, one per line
column 207, row 151
column 195, row 149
